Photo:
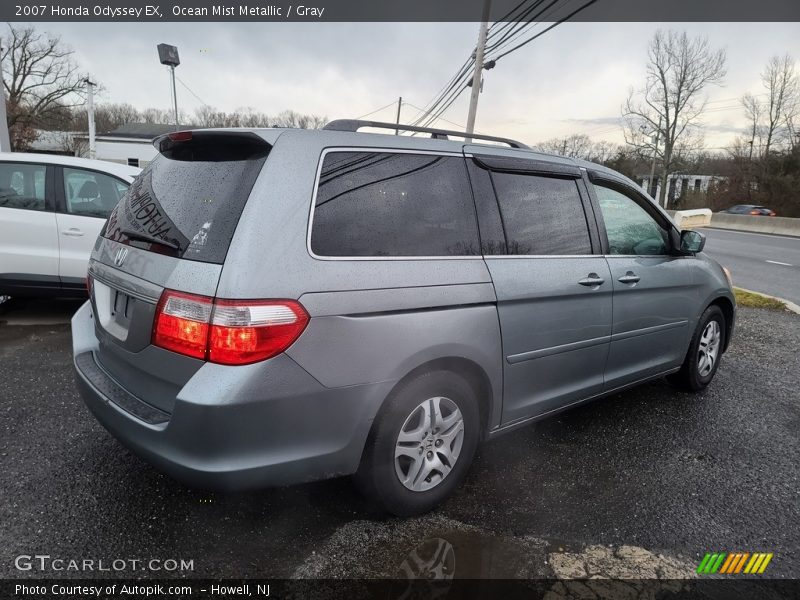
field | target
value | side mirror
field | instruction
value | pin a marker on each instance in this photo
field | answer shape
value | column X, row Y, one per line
column 692, row 241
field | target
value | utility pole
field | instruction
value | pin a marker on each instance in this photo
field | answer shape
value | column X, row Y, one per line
column 478, row 73
column 90, row 111
column 654, row 188
column 5, row 142
column 399, row 106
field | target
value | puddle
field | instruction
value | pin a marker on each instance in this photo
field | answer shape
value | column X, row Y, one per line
column 439, row 549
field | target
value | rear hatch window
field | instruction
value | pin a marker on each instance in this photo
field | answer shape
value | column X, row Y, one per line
column 187, row 202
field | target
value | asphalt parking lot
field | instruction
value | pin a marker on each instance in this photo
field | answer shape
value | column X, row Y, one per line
column 641, row 484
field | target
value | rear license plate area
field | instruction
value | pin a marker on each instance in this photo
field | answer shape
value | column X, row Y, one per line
column 114, row 309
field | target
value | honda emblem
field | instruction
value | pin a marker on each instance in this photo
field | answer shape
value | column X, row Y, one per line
column 119, row 257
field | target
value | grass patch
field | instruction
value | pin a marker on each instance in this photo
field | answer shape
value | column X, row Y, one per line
column 751, row 300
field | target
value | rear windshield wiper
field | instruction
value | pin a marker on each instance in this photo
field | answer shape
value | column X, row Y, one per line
column 143, row 237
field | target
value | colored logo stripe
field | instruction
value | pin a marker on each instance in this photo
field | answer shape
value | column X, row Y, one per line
column 728, row 562
column 734, row 562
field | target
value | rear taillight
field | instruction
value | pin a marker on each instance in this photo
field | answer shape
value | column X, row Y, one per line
column 229, row 332
column 755, row 212
column 252, row 330
column 181, row 323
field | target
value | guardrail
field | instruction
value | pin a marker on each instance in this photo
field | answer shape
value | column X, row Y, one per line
column 704, row 218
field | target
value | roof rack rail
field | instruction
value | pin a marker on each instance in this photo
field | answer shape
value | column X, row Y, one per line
column 438, row 134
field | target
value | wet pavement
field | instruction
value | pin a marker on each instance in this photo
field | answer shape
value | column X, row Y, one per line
column 639, row 485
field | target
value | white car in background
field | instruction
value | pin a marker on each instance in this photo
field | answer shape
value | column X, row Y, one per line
column 52, row 209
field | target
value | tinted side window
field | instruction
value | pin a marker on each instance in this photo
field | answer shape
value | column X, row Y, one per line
column 542, row 215
column 386, row 204
column 629, row 228
column 91, row 194
column 22, row 186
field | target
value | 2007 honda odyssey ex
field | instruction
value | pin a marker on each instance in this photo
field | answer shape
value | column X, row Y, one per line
column 272, row 306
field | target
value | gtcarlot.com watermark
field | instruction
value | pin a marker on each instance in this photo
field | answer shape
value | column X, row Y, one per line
column 44, row 563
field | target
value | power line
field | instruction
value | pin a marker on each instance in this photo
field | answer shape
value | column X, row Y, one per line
column 524, row 22
column 192, row 92
column 502, row 28
column 512, row 11
column 447, row 104
column 541, row 33
column 459, row 79
column 454, row 87
column 459, row 125
column 458, row 83
column 392, row 103
column 528, row 26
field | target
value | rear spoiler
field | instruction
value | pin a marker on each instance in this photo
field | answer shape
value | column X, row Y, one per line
column 213, row 145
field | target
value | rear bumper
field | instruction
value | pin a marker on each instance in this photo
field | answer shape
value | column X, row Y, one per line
column 235, row 427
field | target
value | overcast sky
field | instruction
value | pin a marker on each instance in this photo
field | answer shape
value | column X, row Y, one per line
column 571, row 80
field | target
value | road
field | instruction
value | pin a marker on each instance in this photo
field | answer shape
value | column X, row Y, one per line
column 763, row 263
column 638, row 485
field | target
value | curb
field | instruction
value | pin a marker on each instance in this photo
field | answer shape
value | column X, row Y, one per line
column 790, row 306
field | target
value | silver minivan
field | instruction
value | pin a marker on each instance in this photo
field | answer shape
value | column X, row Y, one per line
column 273, row 306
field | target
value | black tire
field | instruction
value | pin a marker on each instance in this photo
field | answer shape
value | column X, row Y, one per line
column 689, row 377
column 377, row 477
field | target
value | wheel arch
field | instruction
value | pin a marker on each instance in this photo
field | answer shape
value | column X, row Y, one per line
column 728, row 310
column 469, row 370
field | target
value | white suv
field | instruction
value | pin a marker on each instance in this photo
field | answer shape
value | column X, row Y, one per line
column 52, row 209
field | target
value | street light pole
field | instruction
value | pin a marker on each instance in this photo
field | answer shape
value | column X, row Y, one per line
column 174, row 96
column 5, row 141
column 478, row 72
column 168, row 55
column 90, row 111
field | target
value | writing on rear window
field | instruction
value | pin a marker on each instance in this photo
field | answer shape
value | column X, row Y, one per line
column 185, row 208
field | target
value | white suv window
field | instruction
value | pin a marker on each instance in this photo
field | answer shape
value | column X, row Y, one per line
column 22, row 186
column 91, row 194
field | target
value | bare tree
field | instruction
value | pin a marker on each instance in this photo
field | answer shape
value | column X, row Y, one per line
column 209, row 116
column 754, row 110
column 290, row 118
column 783, row 100
column 577, row 145
column 41, row 80
column 163, row 116
column 580, row 145
column 663, row 116
column 106, row 117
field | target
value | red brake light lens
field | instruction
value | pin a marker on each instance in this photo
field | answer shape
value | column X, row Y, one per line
column 248, row 331
column 229, row 332
column 180, row 136
column 182, row 323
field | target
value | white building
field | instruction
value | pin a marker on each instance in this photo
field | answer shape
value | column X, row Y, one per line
column 130, row 144
column 678, row 185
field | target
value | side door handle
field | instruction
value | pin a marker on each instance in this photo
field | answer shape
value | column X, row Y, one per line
column 629, row 277
column 72, row 232
column 592, row 280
